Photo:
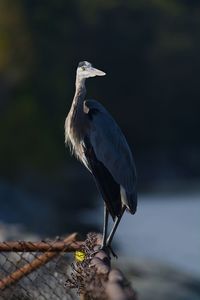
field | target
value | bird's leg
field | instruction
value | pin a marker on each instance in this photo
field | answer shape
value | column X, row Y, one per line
column 105, row 227
column 114, row 228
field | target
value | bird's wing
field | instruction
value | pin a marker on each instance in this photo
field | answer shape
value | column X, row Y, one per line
column 110, row 145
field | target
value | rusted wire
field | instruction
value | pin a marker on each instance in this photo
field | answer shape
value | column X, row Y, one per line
column 50, row 246
column 67, row 244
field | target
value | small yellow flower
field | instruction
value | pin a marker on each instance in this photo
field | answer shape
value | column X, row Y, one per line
column 79, row 256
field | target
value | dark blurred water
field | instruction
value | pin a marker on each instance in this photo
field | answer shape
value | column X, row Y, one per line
column 48, row 207
column 166, row 228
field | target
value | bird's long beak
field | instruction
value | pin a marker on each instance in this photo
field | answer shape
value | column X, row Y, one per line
column 97, row 72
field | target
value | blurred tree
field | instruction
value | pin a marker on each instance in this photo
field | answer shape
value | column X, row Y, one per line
column 15, row 42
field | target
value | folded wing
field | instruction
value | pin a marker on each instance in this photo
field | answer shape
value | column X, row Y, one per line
column 112, row 151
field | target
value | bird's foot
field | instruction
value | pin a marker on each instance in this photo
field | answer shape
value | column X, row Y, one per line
column 96, row 249
column 108, row 249
column 112, row 251
column 105, row 249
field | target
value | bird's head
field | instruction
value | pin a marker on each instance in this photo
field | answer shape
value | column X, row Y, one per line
column 86, row 70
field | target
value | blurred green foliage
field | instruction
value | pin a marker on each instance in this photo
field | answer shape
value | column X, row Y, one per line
column 149, row 49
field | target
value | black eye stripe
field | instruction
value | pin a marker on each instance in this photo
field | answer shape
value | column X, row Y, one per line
column 84, row 64
column 81, row 64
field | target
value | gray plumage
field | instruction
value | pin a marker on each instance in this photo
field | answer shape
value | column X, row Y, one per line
column 98, row 142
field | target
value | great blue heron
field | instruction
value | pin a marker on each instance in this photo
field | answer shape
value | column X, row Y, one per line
column 97, row 141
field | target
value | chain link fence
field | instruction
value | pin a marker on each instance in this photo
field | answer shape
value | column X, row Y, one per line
column 36, row 270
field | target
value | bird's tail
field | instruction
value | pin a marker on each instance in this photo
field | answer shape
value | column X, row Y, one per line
column 132, row 200
column 129, row 200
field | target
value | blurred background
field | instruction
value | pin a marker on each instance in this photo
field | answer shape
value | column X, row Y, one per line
column 150, row 52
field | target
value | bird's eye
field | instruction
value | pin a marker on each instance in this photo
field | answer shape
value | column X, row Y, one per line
column 83, row 68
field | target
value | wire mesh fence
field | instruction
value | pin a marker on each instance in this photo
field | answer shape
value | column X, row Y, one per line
column 36, row 270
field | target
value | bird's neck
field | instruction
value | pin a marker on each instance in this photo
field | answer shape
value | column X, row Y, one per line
column 80, row 92
column 76, row 111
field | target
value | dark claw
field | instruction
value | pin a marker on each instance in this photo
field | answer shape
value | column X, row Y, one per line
column 113, row 253
column 108, row 249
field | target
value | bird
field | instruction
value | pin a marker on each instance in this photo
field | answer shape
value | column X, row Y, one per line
column 96, row 140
